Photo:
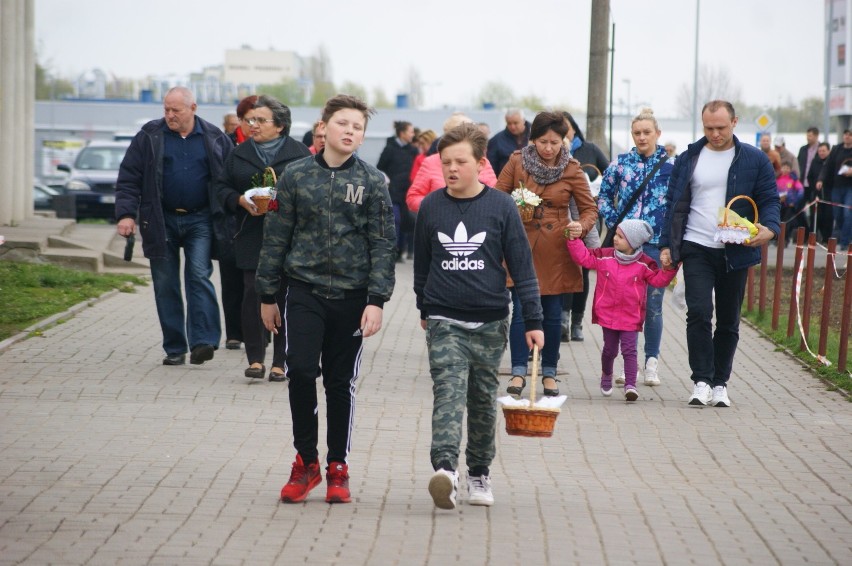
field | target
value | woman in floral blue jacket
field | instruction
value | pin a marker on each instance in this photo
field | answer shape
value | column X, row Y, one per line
column 620, row 180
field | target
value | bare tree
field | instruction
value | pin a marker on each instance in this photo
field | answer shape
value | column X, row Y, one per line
column 380, row 99
column 713, row 83
column 354, row 89
column 497, row 93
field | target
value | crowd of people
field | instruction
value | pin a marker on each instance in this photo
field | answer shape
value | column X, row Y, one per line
column 308, row 273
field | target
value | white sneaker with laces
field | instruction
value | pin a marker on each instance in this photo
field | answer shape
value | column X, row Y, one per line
column 702, row 394
column 443, row 487
column 479, row 491
column 651, row 376
column 720, row 397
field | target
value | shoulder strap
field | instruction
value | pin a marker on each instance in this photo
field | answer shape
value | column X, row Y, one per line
column 635, row 196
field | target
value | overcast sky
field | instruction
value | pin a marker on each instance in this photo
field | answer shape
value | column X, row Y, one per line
column 773, row 51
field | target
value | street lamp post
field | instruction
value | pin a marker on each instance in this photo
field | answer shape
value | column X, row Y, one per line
column 627, row 118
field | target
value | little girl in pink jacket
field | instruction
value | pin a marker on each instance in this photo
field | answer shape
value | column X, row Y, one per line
column 619, row 303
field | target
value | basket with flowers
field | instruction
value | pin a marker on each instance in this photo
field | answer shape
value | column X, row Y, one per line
column 526, row 201
column 264, row 190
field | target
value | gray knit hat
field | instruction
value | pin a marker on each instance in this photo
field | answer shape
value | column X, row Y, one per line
column 636, row 232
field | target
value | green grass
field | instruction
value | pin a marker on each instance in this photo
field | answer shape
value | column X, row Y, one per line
column 32, row 292
column 830, row 374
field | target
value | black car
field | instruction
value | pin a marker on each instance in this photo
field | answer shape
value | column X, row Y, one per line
column 90, row 187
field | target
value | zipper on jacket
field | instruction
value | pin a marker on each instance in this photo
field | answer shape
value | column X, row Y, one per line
column 328, row 242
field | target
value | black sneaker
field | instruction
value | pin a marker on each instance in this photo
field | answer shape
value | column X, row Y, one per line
column 201, row 354
column 174, row 360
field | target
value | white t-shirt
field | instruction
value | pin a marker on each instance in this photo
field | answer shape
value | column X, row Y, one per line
column 709, row 188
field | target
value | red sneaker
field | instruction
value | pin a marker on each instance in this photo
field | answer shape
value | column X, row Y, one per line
column 337, row 478
column 302, row 480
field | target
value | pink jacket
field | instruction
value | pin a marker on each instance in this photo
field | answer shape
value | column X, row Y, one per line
column 621, row 289
column 430, row 178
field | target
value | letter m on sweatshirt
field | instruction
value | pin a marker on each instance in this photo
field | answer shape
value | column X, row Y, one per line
column 353, row 195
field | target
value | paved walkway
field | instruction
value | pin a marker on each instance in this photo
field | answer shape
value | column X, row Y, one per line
column 108, row 457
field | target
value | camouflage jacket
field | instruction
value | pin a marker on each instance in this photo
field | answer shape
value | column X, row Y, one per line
column 333, row 229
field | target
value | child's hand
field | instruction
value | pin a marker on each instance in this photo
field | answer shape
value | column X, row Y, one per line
column 574, row 230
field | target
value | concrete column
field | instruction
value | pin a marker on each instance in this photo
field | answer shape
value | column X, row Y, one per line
column 17, row 104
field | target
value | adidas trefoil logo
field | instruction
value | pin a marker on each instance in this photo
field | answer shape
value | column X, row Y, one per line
column 460, row 246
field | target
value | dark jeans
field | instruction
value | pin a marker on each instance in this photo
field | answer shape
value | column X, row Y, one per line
column 576, row 302
column 201, row 325
column 255, row 335
column 711, row 354
column 322, row 331
column 231, row 279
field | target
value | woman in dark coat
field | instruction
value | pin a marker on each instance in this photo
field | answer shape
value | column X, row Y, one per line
column 270, row 145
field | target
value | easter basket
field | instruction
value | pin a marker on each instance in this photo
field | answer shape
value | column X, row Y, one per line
column 526, row 201
column 531, row 420
column 269, row 180
column 733, row 228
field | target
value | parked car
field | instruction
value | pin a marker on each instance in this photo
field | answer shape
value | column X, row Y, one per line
column 43, row 196
column 90, row 186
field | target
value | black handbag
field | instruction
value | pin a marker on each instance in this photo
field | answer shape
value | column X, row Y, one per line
column 610, row 232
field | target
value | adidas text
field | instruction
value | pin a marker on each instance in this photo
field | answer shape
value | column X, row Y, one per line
column 465, row 264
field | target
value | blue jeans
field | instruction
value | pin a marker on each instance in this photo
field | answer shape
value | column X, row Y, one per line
column 194, row 233
column 552, row 307
column 711, row 353
column 653, row 310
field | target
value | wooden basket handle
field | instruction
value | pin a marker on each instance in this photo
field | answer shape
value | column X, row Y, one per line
column 592, row 165
column 274, row 176
column 730, row 202
column 534, row 375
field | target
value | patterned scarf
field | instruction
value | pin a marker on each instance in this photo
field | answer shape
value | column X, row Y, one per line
column 541, row 173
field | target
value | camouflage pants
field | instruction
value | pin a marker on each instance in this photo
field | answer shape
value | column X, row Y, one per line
column 464, row 365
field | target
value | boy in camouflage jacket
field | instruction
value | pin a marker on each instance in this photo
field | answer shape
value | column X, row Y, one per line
column 331, row 231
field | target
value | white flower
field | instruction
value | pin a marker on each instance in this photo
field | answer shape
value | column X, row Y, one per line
column 525, row 197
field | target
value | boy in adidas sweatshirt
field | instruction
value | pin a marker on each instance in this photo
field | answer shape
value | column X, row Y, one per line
column 466, row 236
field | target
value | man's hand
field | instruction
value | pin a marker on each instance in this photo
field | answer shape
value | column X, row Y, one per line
column 764, row 236
column 423, row 324
column 666, row 258
column 535, row 337
column 371, row 320
column 126, row 227
column 271, row 317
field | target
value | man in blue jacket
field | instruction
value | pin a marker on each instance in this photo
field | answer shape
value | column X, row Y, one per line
column 166, row 180
column 506, row 142
column 706, row 177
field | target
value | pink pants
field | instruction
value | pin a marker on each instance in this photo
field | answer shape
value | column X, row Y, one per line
column 628, row 340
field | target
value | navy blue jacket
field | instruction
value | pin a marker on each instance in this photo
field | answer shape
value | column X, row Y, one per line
column 139, row 189
column 503, row 145
column 750, row 174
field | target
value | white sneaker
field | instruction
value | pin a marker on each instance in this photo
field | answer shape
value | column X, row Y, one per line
column 620, row 379
column 720, row 397
column 479, row 491
column 651, row 377
column 701, row 394
column 443, row 487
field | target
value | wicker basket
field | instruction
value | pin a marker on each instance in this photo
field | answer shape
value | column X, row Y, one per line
column 532, row 420
column 725, row 232
column 527, row 213
column 592, row 166
column 262, row 203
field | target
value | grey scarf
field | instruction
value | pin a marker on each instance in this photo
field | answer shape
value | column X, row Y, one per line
column 625, row 259
column 267, row 150
column 543, row 174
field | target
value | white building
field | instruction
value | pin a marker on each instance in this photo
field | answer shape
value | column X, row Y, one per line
column 250, row 66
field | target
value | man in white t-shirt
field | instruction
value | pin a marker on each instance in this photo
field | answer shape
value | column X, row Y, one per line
column 705, row 178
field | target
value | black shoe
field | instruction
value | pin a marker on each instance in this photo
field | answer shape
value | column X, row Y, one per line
column 550, row 392
column 174, row 360
column 514, row 389
column 256, row 373
column 200, row 354
column 274, row 376
column 232, row 345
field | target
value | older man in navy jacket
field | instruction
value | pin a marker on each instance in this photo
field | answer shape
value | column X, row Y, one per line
column 166, row 179
column 706, row 177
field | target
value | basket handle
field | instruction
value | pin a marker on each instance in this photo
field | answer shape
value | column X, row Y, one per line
column 534, row 375
column 271, row 171
column 730, row 202
column 592, row 165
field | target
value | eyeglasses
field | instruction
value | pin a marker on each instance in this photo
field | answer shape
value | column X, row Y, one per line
column 261, row 121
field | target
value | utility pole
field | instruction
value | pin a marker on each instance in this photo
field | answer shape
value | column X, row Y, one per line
column 598, row 51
